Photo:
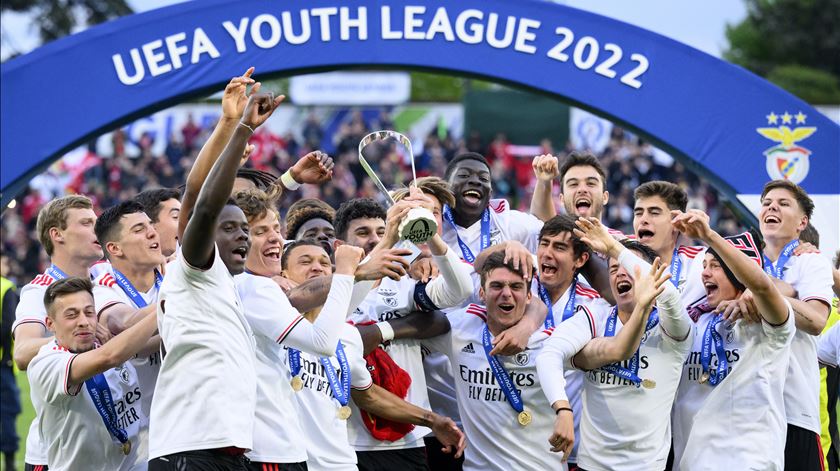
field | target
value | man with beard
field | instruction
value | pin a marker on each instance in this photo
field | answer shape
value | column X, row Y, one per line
column 582, row 183
column 65, row 228
column 128, row 291
column 203, row 412
column 103, row 426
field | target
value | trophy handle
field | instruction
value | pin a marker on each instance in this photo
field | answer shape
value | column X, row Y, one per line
column 380, row 136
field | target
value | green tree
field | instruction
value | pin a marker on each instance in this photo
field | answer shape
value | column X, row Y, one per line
column 59, row 18
column 793, row 43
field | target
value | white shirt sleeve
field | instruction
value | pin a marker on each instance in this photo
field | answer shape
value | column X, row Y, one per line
column 828, row 346
column 525, row 228
column 271, row 314
column 672, row 317
column 780, row 336
column 103, row 297
column 360, row 292
column 815, row 280
column 30, row 308
column 359, row 374
column 49, row 375
column 454, row 284
column 568, row 339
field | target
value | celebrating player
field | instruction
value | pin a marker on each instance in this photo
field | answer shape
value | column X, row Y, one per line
column 737, row 388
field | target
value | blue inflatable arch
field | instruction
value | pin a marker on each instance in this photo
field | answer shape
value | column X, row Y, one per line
column 735, row 128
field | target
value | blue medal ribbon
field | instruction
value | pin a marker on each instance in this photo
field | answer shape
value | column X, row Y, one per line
column 294, row 361
column 632, row 373
column 501, row 375
column 711, row 335
column 131, row 291
column 55, row 272
column 100, row 394
column 776, row 271
column 341, row 390
column 676, row 267
column 485, row 233
column 568, row 310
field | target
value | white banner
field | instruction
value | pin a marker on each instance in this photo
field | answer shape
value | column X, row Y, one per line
column 351, row 88
column 589, row 132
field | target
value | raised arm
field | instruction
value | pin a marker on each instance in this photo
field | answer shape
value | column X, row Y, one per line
column 771, row 304
column 114, row 353
column 199, row 236
column 233, row 104
column 29, row 338
column 602, row 351
column 546, row 168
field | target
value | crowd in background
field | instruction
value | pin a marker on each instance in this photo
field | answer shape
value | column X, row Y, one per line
column 108, row 179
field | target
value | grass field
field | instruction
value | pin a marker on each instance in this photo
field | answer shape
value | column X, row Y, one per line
column 24, row 419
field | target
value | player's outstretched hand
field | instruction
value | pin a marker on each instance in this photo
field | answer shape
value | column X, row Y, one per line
column 423, row 269
column 595, row 235
column 563, row 436
column 648, row 286
column 452, row 439
column 260, row 106
column 694, row 224
column 236, row 95
column 347, row 259
column 314, row 168
column 384, row 263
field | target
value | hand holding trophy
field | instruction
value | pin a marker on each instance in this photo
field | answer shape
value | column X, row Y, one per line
column 419, row 224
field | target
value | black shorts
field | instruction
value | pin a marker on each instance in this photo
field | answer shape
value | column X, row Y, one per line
column 35, row 467
column 438, row 460
column 199, row 460
column 409, row 459
column 257, row 466
column 803, row 450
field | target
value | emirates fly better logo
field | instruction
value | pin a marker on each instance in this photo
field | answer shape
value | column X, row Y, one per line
column 787, row 160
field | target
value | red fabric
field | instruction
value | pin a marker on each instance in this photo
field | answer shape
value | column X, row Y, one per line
column 388, row 375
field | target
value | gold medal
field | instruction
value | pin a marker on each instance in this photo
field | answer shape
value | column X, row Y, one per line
column 704, row 377
column 297, row 383
column 344, row 412
column 648, row 383
column 524, row 418
column 126, row 447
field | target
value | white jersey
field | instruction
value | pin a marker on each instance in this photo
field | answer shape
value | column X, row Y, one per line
column 396, row 299
column 74, row 432
column 810, row 276
column 505, row 224
column 31, row 309
column 584, row 296
column 624, row 426
column 106, row 293
column 326, row 434
column 495, row 440
column 206, row 392
column 274, row 321
column 690, row 284
column 747, row 404
column 828, row 347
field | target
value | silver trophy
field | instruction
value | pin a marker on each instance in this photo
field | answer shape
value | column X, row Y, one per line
column 419, row 224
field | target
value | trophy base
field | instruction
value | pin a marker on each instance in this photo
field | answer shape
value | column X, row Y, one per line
column 418, row 226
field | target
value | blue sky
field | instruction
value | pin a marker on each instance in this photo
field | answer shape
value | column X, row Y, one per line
column 700, row 24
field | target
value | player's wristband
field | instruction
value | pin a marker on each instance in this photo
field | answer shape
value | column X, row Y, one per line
column 557, row 412
column 386, row 330
column 289, row 181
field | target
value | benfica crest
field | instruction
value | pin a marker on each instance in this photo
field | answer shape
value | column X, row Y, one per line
column 787, row 160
